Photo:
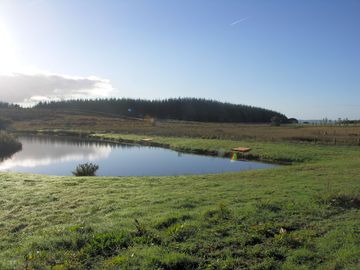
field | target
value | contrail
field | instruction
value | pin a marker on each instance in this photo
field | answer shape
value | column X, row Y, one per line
column 239, row 21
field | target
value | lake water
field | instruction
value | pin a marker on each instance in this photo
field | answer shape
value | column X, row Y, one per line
column 60, row 155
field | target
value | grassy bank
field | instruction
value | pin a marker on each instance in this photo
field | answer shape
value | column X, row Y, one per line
column 264, row 151
column 303, row 216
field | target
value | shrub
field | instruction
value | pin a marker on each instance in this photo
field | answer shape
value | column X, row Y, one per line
column 276, row 121
column 86, row 169
column 4, row 123
column 8, row 145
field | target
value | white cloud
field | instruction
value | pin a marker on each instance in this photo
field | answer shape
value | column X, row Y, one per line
column 30, row 88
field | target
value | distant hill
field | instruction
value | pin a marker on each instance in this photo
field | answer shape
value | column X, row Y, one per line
column 187, row 109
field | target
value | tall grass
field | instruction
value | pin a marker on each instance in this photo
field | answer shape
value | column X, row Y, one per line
column 53, row 121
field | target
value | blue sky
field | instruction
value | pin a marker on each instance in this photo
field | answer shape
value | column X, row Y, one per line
column 301, row 58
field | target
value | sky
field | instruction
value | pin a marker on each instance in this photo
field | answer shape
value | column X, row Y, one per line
column 301, row 58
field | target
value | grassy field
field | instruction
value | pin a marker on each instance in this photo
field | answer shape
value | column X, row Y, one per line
column 50, row 120
column 303, row 216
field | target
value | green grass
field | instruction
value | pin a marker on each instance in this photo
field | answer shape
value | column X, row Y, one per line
column 265, row 151
column 303, row 216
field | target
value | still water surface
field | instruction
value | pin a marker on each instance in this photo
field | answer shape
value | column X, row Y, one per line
column 60, row 155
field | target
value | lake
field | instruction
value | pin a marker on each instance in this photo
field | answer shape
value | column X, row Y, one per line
column 60, row 155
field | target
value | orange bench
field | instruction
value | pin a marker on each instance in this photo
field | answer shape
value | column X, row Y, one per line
column 240, row 149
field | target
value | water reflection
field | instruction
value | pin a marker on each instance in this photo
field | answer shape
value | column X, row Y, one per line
column 43, row 151
column 60, row 155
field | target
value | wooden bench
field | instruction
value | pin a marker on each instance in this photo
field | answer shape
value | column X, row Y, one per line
column 241, row 149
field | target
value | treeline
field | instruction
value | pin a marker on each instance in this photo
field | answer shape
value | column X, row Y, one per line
column 187, row 109
column 5, row 105
column 348, row 122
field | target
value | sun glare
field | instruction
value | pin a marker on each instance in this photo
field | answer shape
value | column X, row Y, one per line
column 7, row 51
